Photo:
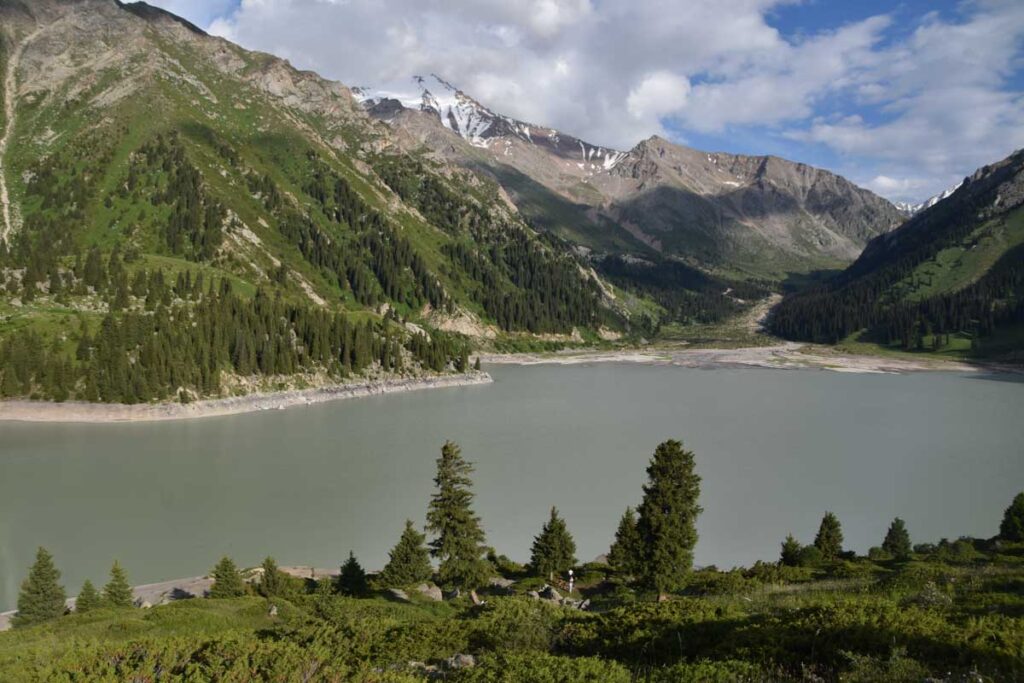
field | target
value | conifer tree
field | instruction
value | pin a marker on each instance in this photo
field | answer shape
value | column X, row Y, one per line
column 830, row 537
column 352, row 579
column 88, row 598
column 791, row 548
column 668, row 518
column 42, row 597
column 458, row 542
column 626, row 553
column 227, row 581
column 273, row 582
column 118, row 592
column 897, row 540
column 409, row 560
column 554, row 550
column 1012, row 526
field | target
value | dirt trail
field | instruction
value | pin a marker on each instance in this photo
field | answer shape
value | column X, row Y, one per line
column 10, row 95
column 757, row 317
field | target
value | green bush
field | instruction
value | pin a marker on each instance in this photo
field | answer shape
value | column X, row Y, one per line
column 543, row 668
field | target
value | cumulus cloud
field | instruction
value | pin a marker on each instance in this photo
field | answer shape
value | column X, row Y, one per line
column 918, row 100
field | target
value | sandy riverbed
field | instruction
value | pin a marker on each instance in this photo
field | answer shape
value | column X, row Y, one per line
column 79, row 411
column 787, row 355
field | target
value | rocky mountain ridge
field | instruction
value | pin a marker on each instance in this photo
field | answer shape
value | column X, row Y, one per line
column 759, row 215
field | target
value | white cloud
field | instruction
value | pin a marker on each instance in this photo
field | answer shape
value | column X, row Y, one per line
column 925, row 100
column 658, row 94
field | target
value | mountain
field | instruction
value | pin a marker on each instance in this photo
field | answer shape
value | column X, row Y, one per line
column 912, row 209
column 725, row 213
column 151, row 173
column 950, row 279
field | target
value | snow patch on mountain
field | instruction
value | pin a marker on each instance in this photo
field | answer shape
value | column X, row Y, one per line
column 481, row 127
column 911, row 209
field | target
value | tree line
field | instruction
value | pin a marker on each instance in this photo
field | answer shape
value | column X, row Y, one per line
column 652, row 546
column 181, row 348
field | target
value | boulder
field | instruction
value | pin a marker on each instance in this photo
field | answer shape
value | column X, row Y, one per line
column 272, row 612
column 533, row 594
column 500, row 582
column 430, row 591
column 398, row 594
column 461, row 661
column 454, row 594
column 549, row 593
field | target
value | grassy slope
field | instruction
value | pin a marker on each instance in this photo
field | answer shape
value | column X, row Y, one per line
column 955, row 610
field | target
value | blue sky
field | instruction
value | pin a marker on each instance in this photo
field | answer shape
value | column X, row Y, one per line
column 904, row 98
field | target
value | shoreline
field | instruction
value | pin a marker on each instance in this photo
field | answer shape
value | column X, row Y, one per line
column 20, row 410
column 783, row 356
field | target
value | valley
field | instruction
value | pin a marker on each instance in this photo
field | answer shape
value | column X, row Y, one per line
column 713, row 372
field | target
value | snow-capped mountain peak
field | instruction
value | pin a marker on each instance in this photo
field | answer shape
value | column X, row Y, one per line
column 911, row 209
column 482, row 127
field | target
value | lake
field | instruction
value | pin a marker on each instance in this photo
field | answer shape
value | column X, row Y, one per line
column 775, row 448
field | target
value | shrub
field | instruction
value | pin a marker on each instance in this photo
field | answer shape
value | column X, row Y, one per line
column 514, row 624
column 540, row 668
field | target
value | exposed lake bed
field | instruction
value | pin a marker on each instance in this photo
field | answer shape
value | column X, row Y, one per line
column 775, row 449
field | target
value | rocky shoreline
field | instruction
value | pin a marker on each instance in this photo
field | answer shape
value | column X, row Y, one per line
column 80, row 411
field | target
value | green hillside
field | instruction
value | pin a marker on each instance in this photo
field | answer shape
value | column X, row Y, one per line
column 951, row 280
column 151, row 167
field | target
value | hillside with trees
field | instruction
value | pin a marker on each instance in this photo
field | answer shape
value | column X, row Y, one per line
column 950, row 279
column 188, row 218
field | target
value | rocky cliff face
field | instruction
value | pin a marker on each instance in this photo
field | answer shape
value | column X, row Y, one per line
column 759, row 215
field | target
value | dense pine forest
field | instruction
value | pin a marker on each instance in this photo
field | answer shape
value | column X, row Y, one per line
column 447, row 606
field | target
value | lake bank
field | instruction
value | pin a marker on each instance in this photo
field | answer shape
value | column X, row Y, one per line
column 784, row 356
column 80, row 411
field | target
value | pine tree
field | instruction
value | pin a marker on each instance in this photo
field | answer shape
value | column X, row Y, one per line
column 554, row 550
column 668, row 518
column 1012, row 526
column 352, row 579
column 791, row 548
column 409, row 560
column 830, row 537
column 42, row 597
column 897, row 540
column 118, row 592
column 626, row 553
column 273, row 582
column 459, row 538
column 227, row 581
column 88, row 598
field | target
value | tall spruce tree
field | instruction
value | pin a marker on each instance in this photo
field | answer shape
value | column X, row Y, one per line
column 118, row 592
column 227, row 581
column 790, row 556
column 88, row 598
column 1012, row 526
column 409, row 560
column 41, row 597
column 554, row 550
column 352, row 578
column 897, row 540
column 830, row 537
column 668, row 518
column 626, row 554
column 458, row 542
column 273, row 582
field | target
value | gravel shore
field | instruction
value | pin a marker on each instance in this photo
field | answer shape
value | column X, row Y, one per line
column 787, row 355
column 80, row 411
